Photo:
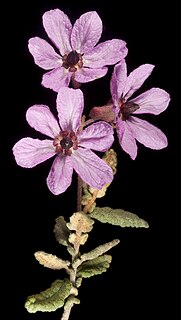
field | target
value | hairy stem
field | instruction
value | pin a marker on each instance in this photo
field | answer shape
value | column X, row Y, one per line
column 67, row 310
column 73, row 274
column 91, row 201
column 79, row 193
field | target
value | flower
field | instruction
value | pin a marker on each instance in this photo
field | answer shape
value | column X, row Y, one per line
column 79, row 58
column 154, row 101
column 69, row 143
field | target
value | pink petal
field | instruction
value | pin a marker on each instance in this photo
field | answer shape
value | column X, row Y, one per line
column 147, row 134
column 92, row 170
column 136, row 78
column 29, row 152
column 87, row 74
column 106, row 53
column 70, row 104
column 118, row 81
column 60, row 175
column 97, row 136
column 56, row 79
column 58, row 27
column 41, row 119
column 152, row 101
column 43, row 53
column 86, row 32
column 126, row 138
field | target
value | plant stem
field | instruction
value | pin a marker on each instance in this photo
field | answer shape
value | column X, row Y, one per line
column 91, row 201
column 67, row 310
column 79, row 193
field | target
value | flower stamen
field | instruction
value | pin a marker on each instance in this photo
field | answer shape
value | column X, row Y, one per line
column 72, row 61
column 65, row 142
column 126, row 109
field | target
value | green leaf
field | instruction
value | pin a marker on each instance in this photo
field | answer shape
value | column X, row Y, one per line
column 118, row 217
column 98, row 251
column 95, row 266
column 51, row 299
column 61, row 231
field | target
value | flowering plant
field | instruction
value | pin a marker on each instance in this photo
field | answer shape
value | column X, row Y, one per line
column 76, row 143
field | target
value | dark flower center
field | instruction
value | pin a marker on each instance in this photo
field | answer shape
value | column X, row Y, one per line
column 72, row 61
column 65, row 142
column 72, row 58
column 127, row 108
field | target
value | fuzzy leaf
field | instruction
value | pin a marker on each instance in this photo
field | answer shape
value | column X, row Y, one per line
column 80, row 222
column 118, row 217
column 78, row 282
column 51, row 261
column 61, row 231
column 95, row 266
column 70, row 250
column 51, row 299
column 82, row 238
column 98, row 251
column 70, row 301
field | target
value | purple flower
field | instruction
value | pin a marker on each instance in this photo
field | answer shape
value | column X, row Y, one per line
column 130, row 128
column 69, row 143
column 79, row 58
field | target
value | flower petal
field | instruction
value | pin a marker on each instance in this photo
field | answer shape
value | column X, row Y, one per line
column 118, row 81
column 29, row 152
column 97, row 136
column 58, row 27
column 70, row 104
column 147, row 134
column 136, row 78
column 56, row 79
column 126, row 138
column 152, row 101
column 43, row 53
column 92, row 170
column 41, row 119
column 106, row 53
column 60, row 175
column 88, row 74
column 86, row 32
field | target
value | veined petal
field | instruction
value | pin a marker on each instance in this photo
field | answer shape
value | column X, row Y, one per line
column 97, row 136
column 87, row 74
column 118, row 80
column 92, row 170
column 147, row 134
column 43, row 53
column 58, row 27
column 126, row 138
column 70, row 104
column 153, row 101
column 60, row 175
column 41, row 119
column 56, row 79
column 105, row 53
column 136, row 78
column 29, row 152
column 86, row 32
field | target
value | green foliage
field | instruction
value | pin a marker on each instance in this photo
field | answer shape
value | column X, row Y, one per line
column 61, row 231
column 51, row 299
column 118, row 217
column 95, row 266
column 98, row 251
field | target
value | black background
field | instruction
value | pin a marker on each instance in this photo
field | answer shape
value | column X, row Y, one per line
column 142, row 279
